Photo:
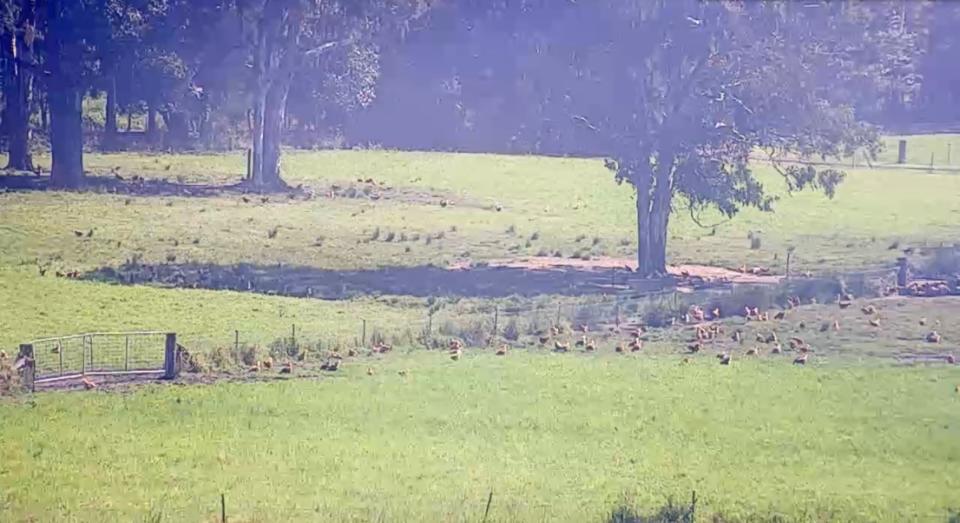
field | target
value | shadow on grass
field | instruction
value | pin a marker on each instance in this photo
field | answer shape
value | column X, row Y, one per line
column 423, row 281
column 133, row 186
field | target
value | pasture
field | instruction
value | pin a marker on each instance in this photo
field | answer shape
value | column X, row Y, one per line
column 867, row 430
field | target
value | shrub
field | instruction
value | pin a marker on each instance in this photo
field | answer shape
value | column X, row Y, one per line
column 510, row 331
column 250, row 354
column 669, row 513
column 9, row 378
column 222, row 358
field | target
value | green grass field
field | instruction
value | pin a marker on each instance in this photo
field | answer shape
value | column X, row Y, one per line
column 557, row 438
column 867, row 431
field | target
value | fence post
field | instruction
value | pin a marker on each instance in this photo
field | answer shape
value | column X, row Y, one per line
column 557, row 323
column 363, row 337
column 902, row 152
column 293, row 334
column 496, row 318
column 29, row 368
column 90, row 343
column 126, row 353
column 236, row 342
column 249, row 163
column 170, row 357
column 902, row 273
column 60, row 354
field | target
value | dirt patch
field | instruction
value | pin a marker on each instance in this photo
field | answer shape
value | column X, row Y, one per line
column 703, row 273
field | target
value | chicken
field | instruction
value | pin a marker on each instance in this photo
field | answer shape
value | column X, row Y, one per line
column 695, row 347
column 370, row 371
column 761, row 338
column 88, row 384
column 753, row 352
column 737, row 336
column 869, row 310
column 874, row 322
column 777, row 349
column 287, row 368
column 560, row 347
column 402, row 372
column 581, row 342
column 591, row 346
column 619, row 349
column 544, row 340
column 502, row 351
column 780, row 315
column 267, row 363
column 725, row 359
column 951, row 359
column 636, row 345
column 715, row 313
column 923, row 322
column 933, row 337
column 771, row 338
column 331, row 365
column 455, row 355
column 796, row 343
column 800, row 360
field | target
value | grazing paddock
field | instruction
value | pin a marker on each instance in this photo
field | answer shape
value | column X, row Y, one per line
column 555, row 437
column 868, row 429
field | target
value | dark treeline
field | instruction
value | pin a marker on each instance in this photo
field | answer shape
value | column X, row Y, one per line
column 676, row 93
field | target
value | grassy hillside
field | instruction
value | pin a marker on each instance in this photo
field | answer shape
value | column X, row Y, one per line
column 547, row 204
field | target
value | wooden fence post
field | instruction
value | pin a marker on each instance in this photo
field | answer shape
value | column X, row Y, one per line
column 29, row 369
column 496, row 318
column 170, row 369
column 236, row 342
column 903, row 273
column 363, row 337
column 902, row 152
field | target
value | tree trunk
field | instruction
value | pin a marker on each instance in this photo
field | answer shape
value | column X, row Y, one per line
column 66, row 135
column 110, row 126
column 654, row 193
column 17, row 88
column 273, row 125
column 129, row 120
column 152, row 123
column 256, row 160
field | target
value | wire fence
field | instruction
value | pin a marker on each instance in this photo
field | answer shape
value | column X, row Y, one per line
column 98, row 353
column 519, row 321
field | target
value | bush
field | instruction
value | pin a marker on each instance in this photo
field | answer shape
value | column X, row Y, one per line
column 943, row 262
column 669, row 513
column 510, row 331
column 250, row 354
column 222, row 358
column 9, row 378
